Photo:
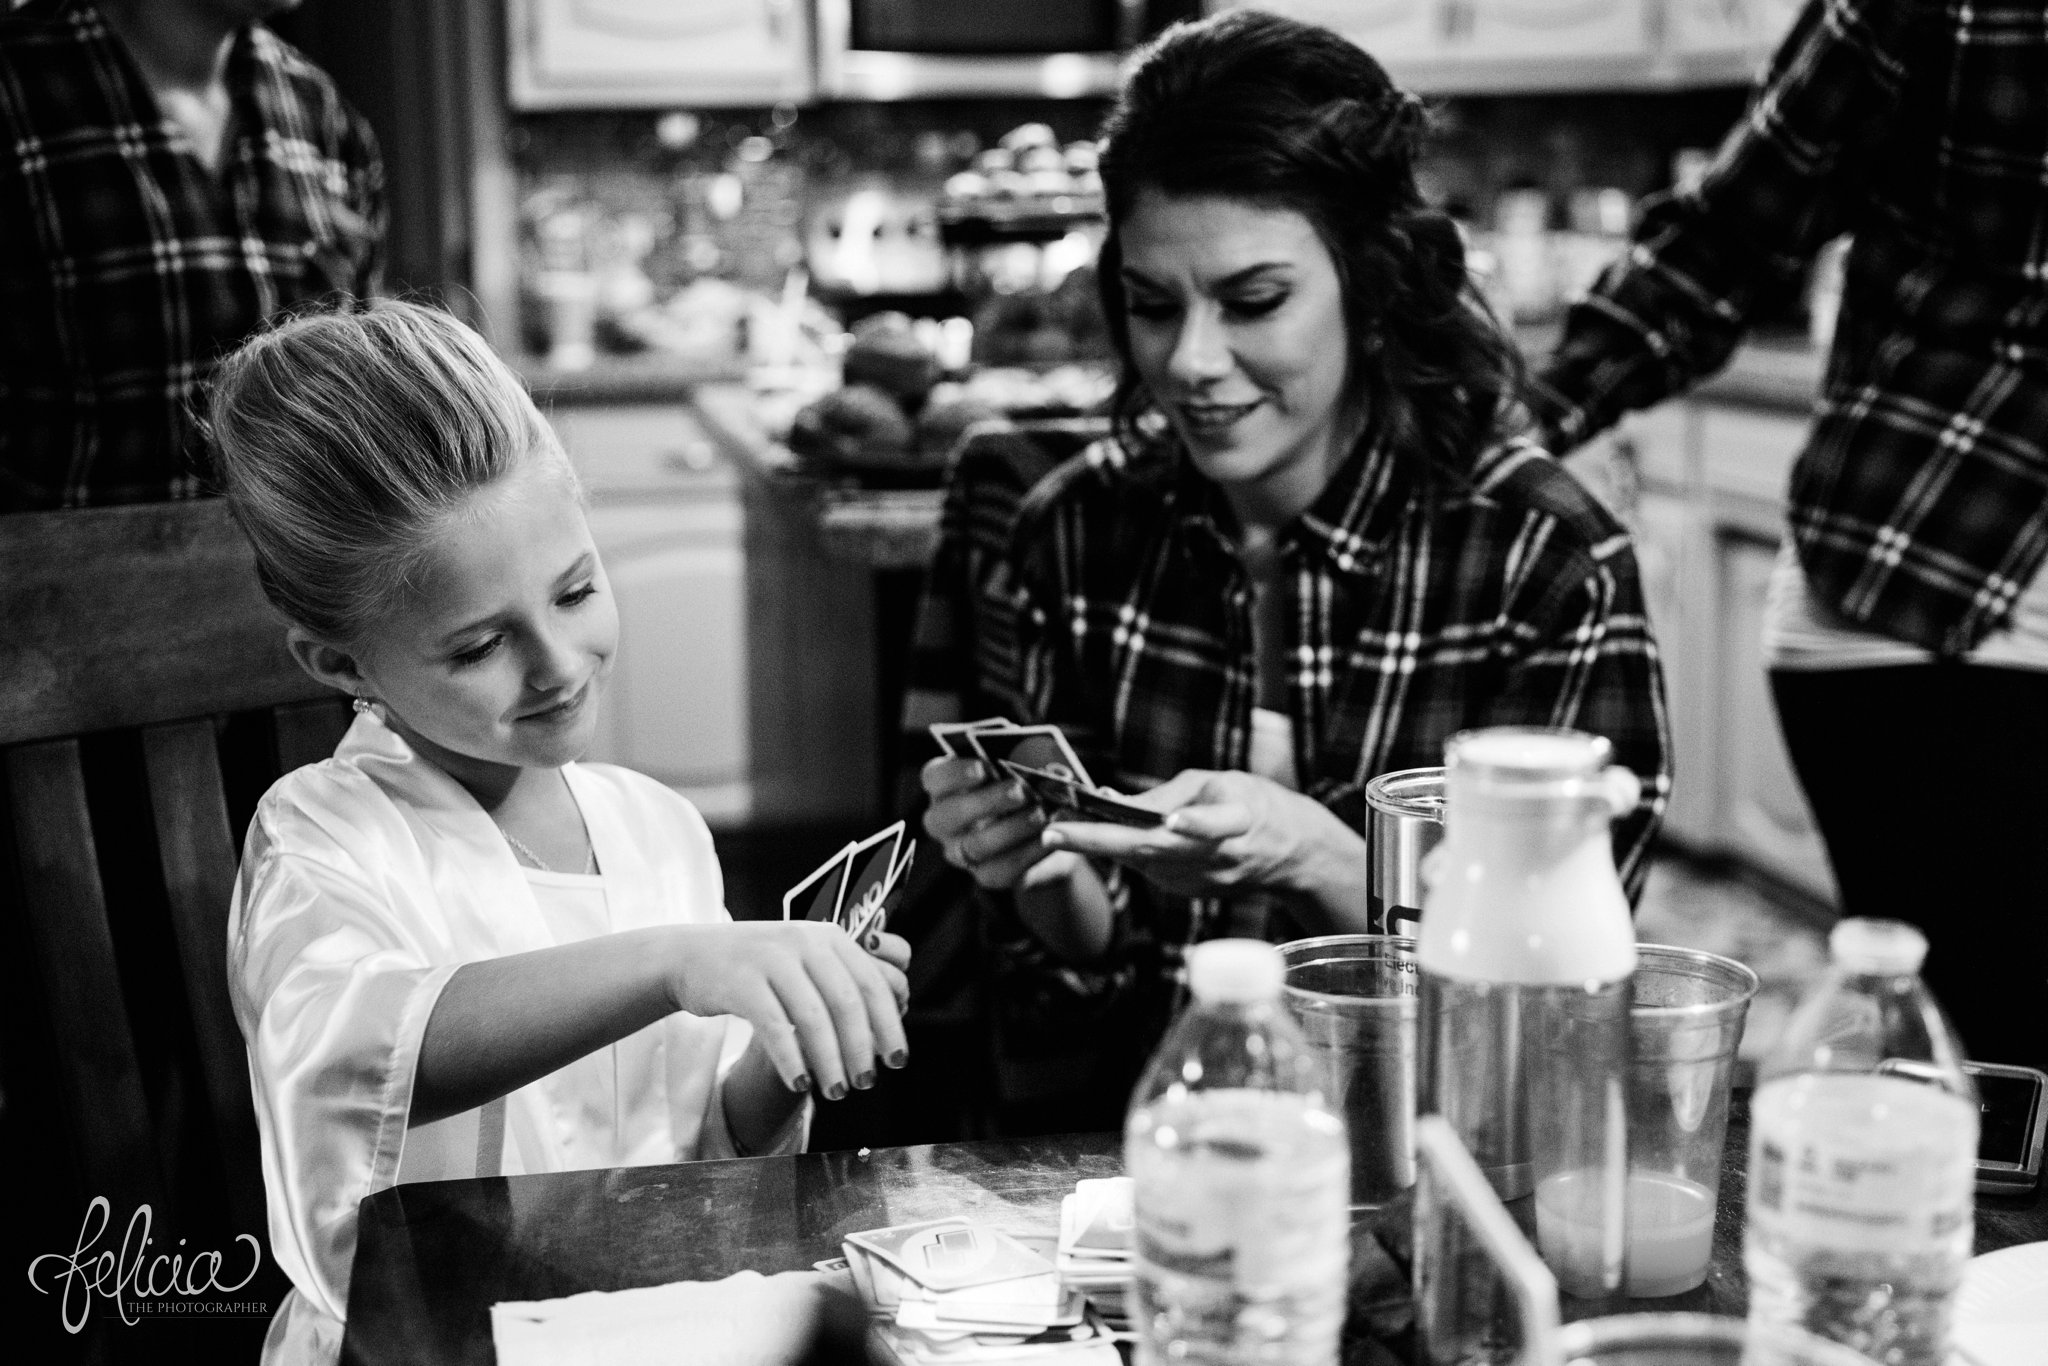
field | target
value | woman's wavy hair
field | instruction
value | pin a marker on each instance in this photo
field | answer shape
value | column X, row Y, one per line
column 1252, row 106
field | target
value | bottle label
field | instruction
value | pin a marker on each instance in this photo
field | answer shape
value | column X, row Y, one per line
column 1860, row 1163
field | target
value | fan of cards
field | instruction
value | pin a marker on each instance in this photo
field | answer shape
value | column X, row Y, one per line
column 1095, row 1245
column 857, row 887
column 954, row 1290
column 1040, row 758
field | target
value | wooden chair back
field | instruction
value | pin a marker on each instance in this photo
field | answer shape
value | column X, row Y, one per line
column 135, row 643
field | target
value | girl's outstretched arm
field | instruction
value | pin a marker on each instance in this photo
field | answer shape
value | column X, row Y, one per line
column 823, row 1011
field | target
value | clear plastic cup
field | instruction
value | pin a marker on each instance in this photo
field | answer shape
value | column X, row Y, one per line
column 1685, row 1025
column 1354, row 996
column 1696, row 1340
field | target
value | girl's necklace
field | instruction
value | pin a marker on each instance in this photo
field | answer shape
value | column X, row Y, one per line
column 519, row 848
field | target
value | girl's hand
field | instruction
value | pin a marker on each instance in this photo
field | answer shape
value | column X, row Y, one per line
column 824, row 1012
column 988, row 828
column 1232, row 832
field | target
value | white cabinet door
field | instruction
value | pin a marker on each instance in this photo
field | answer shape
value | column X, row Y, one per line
column 677, row 705
column 1394, row 31
column 1744, row 28
column 1767, row 819
column 1516, row 30
column 665, row 511
column 614, row 53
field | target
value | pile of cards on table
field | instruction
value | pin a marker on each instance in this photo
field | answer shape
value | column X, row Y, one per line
column 1095, row 1245
column 954, row 1290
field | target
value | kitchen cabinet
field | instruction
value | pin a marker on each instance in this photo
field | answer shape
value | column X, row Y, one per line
column 1744, row 29
column 1708, row 526
column 666, row 513
column 623, row 53
column 1484, row 31
column 1397, row 32
column 745, row 677
column 1503, row 46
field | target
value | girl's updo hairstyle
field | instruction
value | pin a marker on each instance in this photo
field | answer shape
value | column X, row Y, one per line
column 345, row 440
column 1256, row 107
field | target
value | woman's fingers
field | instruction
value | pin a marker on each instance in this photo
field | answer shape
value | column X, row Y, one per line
column 949, row 818
column 945, row 776
column 1102, row 839
column 995, row 838
column 1225, row 820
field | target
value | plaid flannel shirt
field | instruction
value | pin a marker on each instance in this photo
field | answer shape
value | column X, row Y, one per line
column 1107, row 597
column 127, row 269
column 1919, row 506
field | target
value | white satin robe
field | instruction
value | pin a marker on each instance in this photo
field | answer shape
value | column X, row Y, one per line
column 367, row 880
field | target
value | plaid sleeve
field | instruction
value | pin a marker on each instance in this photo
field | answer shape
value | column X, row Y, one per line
column 1705, row 258
column 1591, row 664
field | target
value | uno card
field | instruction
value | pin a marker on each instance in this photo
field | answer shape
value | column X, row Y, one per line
column 953, row 1254
column 819, row 896
column 1063, row 799
column 951, row 735
column 868, row 879
column 876, row 918
column 1040, row 747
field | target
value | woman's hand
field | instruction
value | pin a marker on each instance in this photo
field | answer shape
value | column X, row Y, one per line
column 824, row 1012
column 1229, row 833
column 988, row 828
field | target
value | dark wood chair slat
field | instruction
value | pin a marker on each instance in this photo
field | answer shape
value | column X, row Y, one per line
column 198, row 857
column 74, row 949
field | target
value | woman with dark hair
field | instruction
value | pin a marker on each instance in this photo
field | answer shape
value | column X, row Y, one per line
column 1315, row 548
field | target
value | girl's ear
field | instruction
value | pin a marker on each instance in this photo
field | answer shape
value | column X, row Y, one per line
column 327, row 662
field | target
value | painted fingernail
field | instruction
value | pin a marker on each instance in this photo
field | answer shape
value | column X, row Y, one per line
column 864, row 1081
column 801, row 1084
column 898, row 1058
column 836, row 1091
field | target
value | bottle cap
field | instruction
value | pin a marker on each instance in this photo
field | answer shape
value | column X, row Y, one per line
column 1235, row 971
column 1877, row 946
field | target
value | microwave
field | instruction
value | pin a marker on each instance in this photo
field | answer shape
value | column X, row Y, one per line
column 919, row 49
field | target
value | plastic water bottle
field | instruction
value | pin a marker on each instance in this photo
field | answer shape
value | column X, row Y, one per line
column 1862, row 1158
column 1527, row 959
column 1241, row 1178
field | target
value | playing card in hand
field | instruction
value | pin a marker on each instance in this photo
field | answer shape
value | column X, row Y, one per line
column 1041, row 747
column 1063, row 799
column 857, row 887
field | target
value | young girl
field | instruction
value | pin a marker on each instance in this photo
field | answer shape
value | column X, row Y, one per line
column 456, row 951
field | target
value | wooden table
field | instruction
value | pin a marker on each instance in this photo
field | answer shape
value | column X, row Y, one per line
column 432, row 1258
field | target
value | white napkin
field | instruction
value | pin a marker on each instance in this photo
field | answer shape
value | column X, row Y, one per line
column 744, row 1320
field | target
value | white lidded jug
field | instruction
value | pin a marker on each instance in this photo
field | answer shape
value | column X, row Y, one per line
column 1525, row 957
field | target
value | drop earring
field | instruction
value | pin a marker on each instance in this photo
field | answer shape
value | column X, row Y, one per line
column 363, row 706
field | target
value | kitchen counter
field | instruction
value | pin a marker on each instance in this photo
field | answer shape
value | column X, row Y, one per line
column 648, row 377
column 877, row 529
column 897, row 529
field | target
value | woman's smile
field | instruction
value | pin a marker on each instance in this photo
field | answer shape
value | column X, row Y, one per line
column 1235, row 315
